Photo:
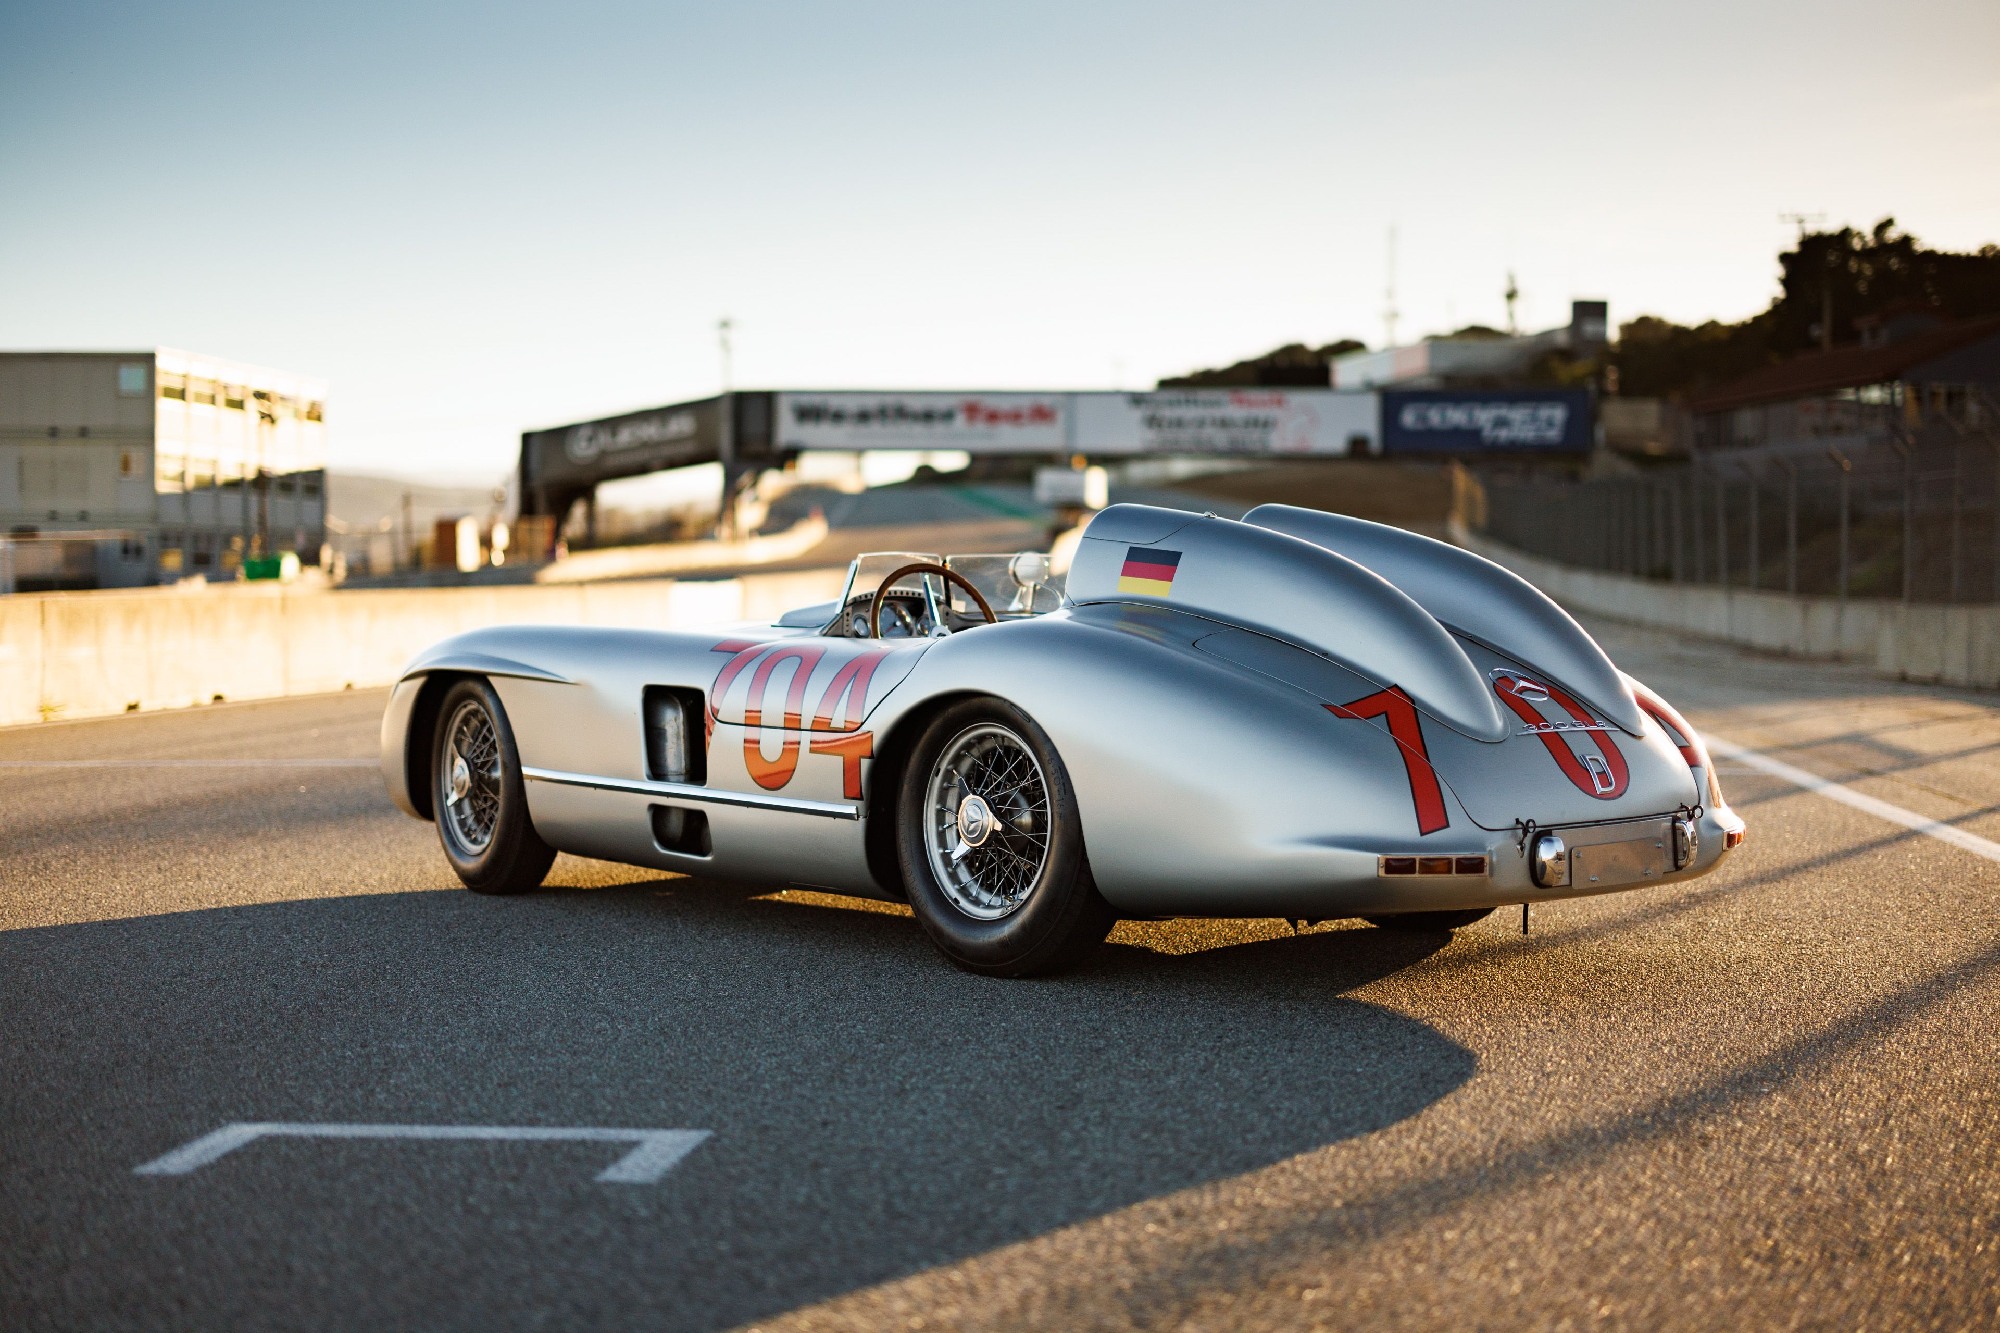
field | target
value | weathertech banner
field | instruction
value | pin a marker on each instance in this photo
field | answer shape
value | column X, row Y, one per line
column 1446, row 421
column 1167, row 421
column 974, row 422
column 1226, row 421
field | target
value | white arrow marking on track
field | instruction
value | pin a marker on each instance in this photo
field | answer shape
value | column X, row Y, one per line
column 657, row 1151
column 1834, row 791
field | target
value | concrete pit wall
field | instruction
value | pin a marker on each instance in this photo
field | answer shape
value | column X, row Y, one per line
column 1946, row 645
column 71, row 655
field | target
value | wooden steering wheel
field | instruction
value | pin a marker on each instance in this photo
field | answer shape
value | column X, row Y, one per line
column 923, row 567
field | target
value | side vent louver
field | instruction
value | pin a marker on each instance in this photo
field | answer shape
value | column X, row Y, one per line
column 676, row 738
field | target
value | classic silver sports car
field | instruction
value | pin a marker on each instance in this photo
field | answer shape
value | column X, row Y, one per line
column 1295, row 715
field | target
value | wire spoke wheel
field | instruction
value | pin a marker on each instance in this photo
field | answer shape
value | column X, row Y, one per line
column 470, row 777
column 988, row 821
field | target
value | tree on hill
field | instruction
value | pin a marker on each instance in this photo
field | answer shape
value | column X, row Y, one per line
column 1294, row 365
column 1865, row 274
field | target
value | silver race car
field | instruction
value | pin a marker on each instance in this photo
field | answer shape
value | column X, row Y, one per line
column 1295, row 715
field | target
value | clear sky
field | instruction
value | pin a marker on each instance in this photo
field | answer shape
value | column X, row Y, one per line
column 475, row 218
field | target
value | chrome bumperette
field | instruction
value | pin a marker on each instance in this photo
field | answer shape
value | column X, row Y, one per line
column 1687, row 841
column 1548, row 861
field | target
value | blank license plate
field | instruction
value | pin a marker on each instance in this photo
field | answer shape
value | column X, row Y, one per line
column 1621, row 862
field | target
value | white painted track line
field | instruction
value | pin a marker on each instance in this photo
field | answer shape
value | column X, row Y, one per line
column 657, row 1151
column 190, row 763
column 1834, row 791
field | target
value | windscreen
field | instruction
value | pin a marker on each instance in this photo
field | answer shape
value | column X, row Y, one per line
column 1014, row 583
column 871, row 567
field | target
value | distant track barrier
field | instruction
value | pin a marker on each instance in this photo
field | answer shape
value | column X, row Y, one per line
column 1945, row 644
column 71, row 655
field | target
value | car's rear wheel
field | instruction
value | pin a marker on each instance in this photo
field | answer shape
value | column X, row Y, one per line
column 1429, row 921
column 478, row 797
column 991, row 846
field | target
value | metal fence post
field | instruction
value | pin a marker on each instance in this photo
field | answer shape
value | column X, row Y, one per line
column 1993, row 524
column 1635, row 545
column 1840, row 461
column 1957, row 514
column 1792, row 527
column 1676, row 556
column 1756, row 569
column 1904, row 452
column 1721, row 528
column 1656, row 500
column 1699, row 573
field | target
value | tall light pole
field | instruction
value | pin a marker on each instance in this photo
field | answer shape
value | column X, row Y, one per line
column 725, row 517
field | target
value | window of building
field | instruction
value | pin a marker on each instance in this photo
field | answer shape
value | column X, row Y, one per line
column 309, row 484
column 315, row 411
column 201, row 473
column 201, row 391
column 201, row 549
column 132, row 379
column 132, row 548
column 168, row 472
column 128, row 463
column 232, row 396
column 173, row 385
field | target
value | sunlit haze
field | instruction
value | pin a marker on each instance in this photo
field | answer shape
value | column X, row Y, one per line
column 473, row 219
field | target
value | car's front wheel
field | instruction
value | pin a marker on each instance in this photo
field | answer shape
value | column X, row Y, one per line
column 478, row 798
column 991, row 847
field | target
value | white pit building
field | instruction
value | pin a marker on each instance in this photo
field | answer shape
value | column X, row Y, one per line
column 120, row 469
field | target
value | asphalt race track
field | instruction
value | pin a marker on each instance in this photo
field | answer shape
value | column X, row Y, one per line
column 1765, row 1099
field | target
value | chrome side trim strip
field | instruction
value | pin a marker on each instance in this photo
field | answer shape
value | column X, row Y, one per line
column 682, row 791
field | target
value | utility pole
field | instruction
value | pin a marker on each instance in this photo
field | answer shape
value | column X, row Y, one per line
column 723, row 328
column 1513, row 295
column 1389, row 295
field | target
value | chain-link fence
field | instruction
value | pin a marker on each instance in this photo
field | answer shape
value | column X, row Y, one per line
column 1909, row 513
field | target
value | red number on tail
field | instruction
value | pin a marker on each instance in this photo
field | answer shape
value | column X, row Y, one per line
column 1408, row 729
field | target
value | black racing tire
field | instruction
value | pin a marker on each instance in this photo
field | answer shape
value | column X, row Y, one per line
column 483, row 825
column 1429, row 921
column 992, row 914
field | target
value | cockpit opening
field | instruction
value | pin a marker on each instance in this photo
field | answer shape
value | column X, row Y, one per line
column 925, row 604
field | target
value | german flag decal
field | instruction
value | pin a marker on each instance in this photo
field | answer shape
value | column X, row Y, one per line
column 1149, row 571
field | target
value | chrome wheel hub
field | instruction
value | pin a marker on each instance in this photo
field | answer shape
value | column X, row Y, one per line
column 471, row 779
column 987, row 822
column 975, row 821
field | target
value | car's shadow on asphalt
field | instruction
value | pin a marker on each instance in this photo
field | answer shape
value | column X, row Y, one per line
column 874, row 1111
